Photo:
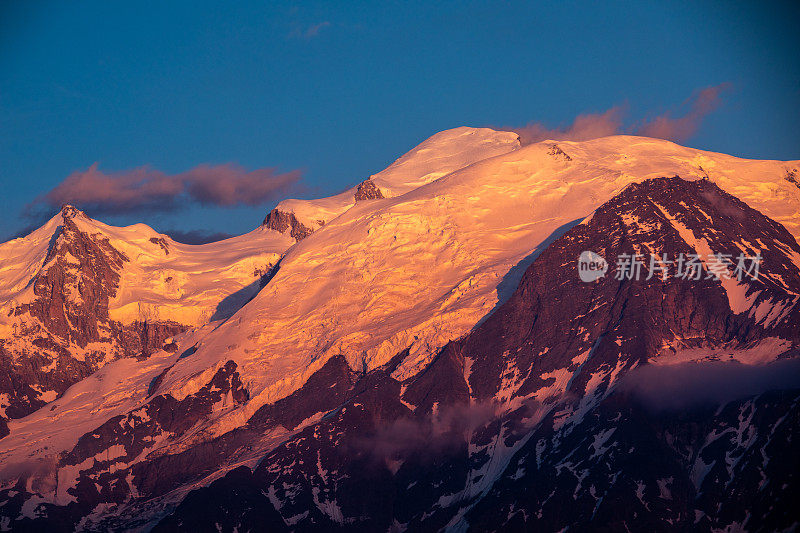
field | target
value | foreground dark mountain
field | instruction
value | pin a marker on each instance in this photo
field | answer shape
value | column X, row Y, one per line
column 533, row 421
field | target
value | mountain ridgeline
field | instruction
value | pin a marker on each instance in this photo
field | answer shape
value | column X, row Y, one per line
column 420, row 353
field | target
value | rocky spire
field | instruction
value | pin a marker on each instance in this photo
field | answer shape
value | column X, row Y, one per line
column 69, row 212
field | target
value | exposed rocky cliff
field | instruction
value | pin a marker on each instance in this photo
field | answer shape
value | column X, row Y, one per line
column 63, row 332
column 281, row 222
column 367, row 190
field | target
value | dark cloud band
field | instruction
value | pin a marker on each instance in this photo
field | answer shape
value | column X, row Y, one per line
column 145, row 189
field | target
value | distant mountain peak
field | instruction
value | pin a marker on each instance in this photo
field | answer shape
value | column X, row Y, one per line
column 69, row 212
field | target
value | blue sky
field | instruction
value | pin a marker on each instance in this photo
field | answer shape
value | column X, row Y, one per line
column 339, row 90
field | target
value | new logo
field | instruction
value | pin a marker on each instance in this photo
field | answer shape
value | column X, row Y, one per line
column 591, row 266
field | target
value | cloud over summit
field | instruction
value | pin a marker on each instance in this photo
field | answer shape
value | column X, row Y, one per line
column 683, row 128
column 665, row 126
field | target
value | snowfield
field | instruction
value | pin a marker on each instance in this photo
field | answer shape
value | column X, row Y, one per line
column 437, row 156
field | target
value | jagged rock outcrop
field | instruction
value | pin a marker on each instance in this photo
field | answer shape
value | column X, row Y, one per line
column 63, row 332
column 281, row 221
column 73, row 288
column 367, row 190
column 558, row 153
column 791, row 177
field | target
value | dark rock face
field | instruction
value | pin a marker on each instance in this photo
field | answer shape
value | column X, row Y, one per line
column 281, row 221
column 624, row 467
column 558, row 153
column 367, row 190
column 162, row 415
column 94, row 277
column 103, row 477
column 236, row 496
column 553, row 312
column 621, row 467
column 162, row 243
column 527, row 423
column 791, row 177
column 79, row 276
column 326, row 389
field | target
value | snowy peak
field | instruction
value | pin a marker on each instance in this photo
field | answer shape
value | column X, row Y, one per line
column 77, row 294
column 441, row 154
column 616, row 160
column 437, row 156
column 56, row 328
column 161, row 279
column 69, row 212
column 22, row 259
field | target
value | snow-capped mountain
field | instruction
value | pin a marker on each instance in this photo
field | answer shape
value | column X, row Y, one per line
column 433, row 314
column 441, row 154
column 76, row 294
column 347, row 290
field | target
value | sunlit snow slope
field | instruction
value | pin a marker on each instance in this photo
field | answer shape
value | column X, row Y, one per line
column 77, row 294
column 439, row 155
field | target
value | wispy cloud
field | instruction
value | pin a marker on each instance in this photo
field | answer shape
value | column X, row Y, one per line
column 427, row 434
column 311, row 31
column 145, row 189
column 583, row 128
column 683, row 128
column 611, row 122
column 681, row 386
